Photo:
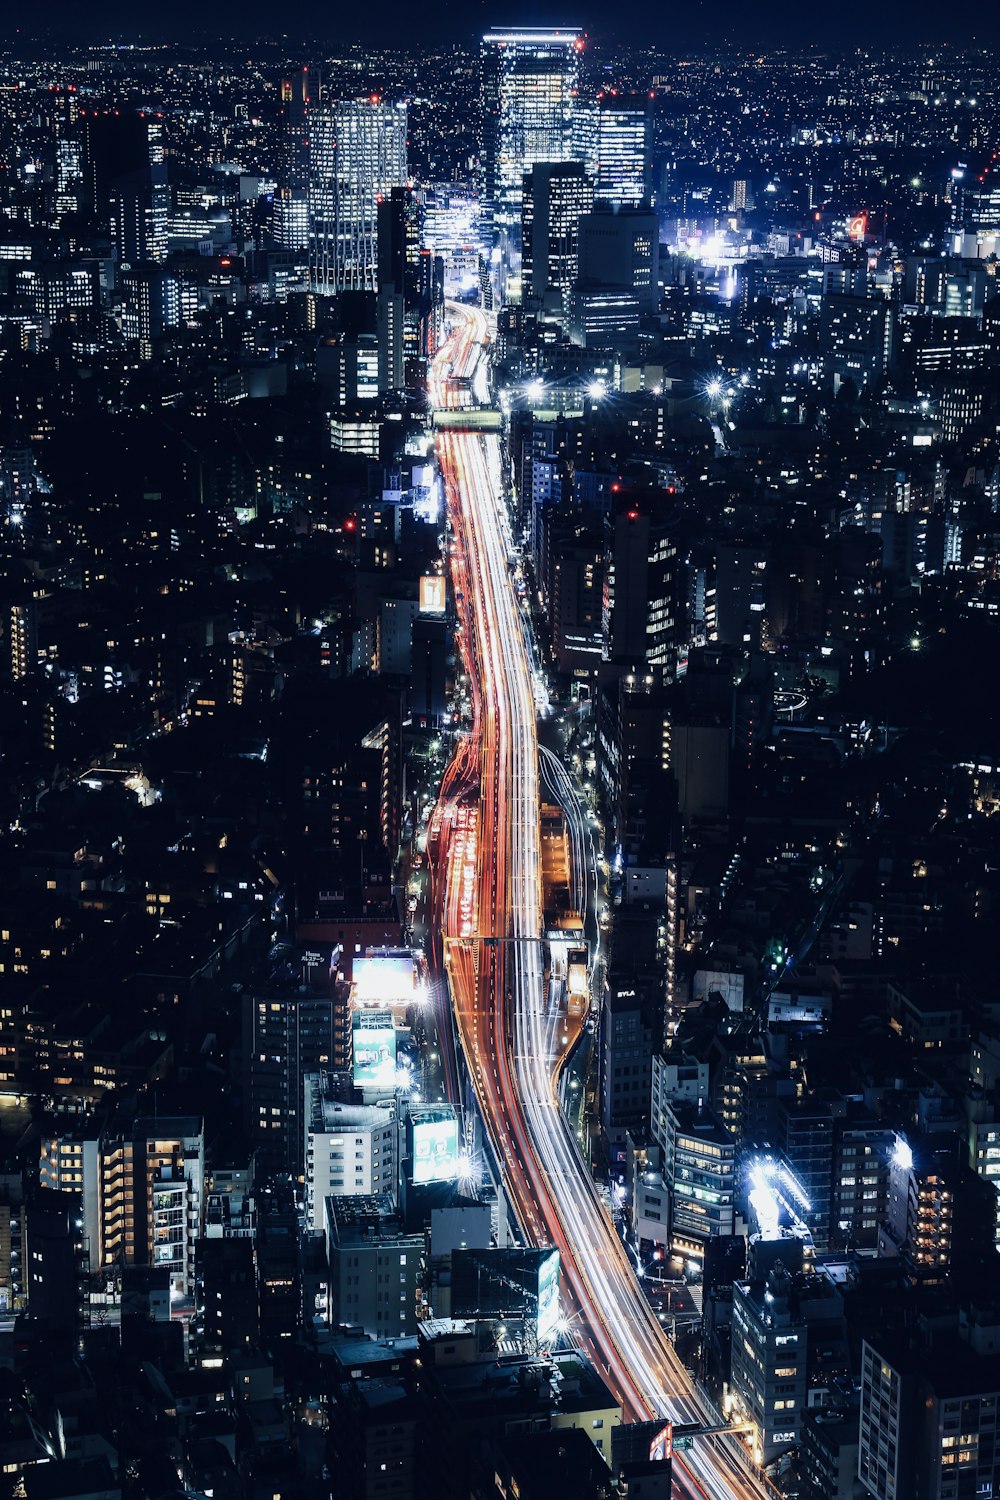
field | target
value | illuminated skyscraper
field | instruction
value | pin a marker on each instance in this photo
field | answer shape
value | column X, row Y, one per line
column 556, row 196
column 622, row 149
column 300, row 97
column 357, row 155
column 528, row 103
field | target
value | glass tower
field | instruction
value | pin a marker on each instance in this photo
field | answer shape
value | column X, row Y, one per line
column 357, row 155
column 622, row 149
column 529, row 93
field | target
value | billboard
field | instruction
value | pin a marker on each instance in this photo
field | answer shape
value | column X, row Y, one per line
column 375, row 1050
column 508, row 1283
column 435, row 1147
column 384, row 976
column 433, row 596
column 548, row 1298
column 578, row 983
column 662, row 1445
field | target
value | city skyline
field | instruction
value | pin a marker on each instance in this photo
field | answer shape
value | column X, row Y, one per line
column 499, row 770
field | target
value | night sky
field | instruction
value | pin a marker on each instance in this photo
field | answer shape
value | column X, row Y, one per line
column 694, row 23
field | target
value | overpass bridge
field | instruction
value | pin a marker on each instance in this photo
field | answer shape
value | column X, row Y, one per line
column 466, row 419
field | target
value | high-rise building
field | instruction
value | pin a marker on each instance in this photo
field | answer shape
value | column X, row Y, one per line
column 928, row 1411
column 618, row 283
column 770, row 1340
column 857, row 337
column 114, row 145
column 622, row 149
column 300, row 97
column 556, row 196
column 140, row 208
column 374, row 1267
column 699, row 1170
column 140, row 1189
column 357, row 155
column 284, row 1038
column 21, row 646
column 228, row 1284
column 530, row 78
column 641, row 609
column 805, row 1129
column 862, row 1148
column 150, row 304
column 401, row 306
column 925, row 1175
column 57, row 1260
column 351, row 1150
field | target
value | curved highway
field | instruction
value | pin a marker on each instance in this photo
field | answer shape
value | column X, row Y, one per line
column 487, row 844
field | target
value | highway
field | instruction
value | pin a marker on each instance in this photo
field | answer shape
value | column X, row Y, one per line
column 485, row 844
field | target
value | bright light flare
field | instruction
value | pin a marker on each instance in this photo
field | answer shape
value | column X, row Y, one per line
column 902, row 1156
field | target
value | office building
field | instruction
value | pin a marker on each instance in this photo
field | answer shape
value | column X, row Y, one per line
column 929, row 1405
column 114, row 145
column 279, row 1264
column 227, row 1283
column 286, row 1038
column 622, row 148
column 556, row 196
column 530, row 78
column 857, row 337
column 374, row 1267
column 641, row 599
column 300, row 97
column 57, row 1260
column 140, row 209
column 698, row 1169
column 631, row 1018
column 769, row 1377
column 829, row 1453
column 150, row 305
column 407, row 292
column 805, row 1131
column 862, row 1151
column 618, row 284
column 357, row 155
column 351, row 1150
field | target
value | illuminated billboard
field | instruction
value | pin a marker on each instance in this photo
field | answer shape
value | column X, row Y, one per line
column 548, row 1298
column 662, row 1445
column 433, row 597
column 384, row 976
column 435, row 1147
column 375, row 1050
column 577, row 980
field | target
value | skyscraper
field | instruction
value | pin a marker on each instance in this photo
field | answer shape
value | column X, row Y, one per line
column 556, row 196
column 300, row 97
column 622, row 149
column 357, row 155
column 528, row 102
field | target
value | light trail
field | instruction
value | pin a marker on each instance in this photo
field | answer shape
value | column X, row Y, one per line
column 498, row 990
